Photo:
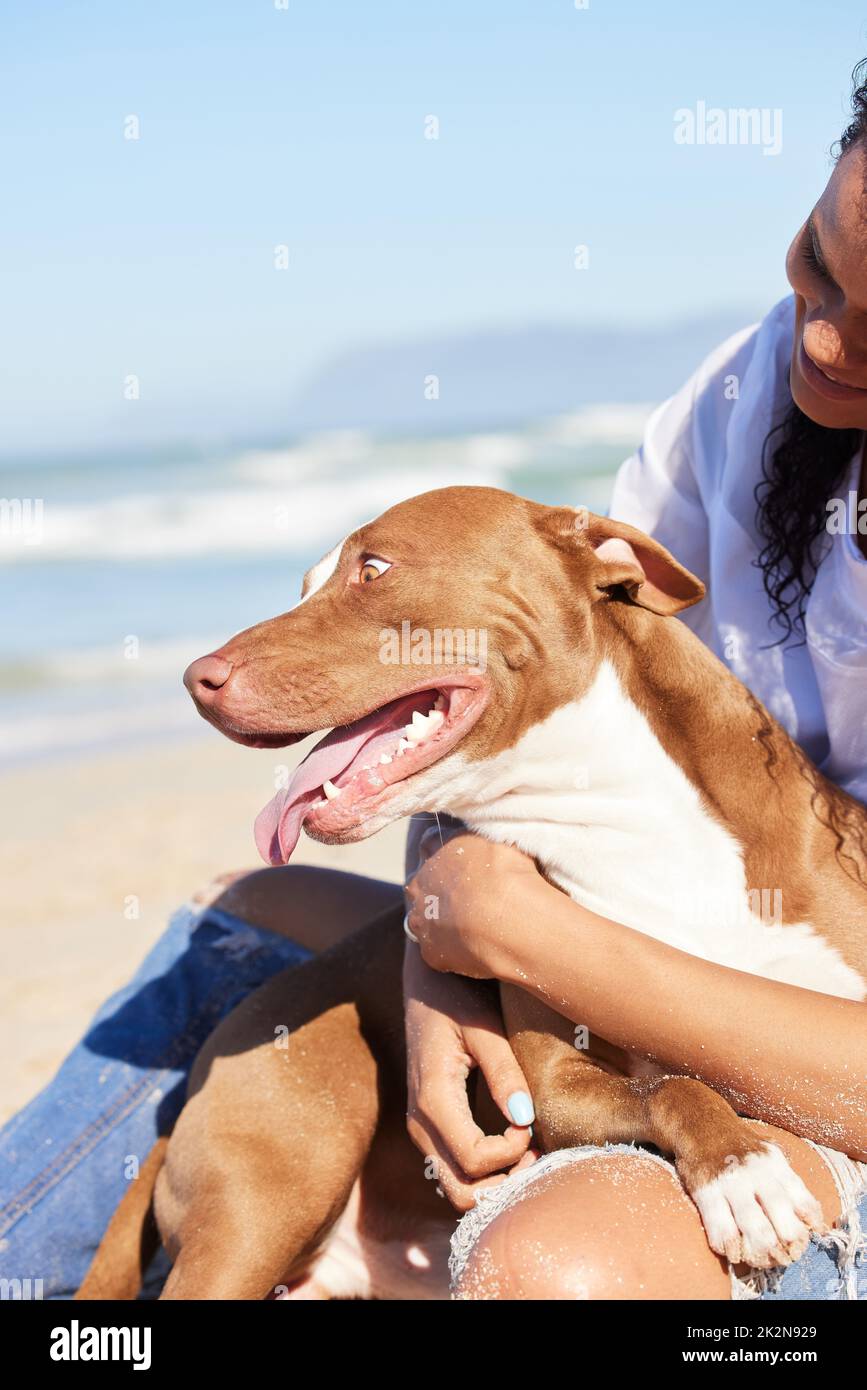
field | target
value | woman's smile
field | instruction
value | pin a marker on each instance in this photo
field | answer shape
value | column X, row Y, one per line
column 825, row 382
column 827, row 270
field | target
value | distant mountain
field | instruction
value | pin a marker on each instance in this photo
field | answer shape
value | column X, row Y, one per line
column 504, row 376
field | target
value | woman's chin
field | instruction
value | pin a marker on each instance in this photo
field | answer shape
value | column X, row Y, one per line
column 833, row 415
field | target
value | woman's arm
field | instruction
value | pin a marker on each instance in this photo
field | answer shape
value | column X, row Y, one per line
column 793, row 1057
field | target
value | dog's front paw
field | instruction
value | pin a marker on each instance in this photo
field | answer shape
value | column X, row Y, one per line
column 757, row 1210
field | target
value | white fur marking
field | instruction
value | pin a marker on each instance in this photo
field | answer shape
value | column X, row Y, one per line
column 758, row 1211
column 354, row 1265
column 617, row 824
column 322, row 572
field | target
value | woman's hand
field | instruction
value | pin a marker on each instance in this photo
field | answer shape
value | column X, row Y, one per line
column 453, row 1026
column 463, row 901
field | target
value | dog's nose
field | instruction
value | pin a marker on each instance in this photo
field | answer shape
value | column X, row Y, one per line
column 206, row 676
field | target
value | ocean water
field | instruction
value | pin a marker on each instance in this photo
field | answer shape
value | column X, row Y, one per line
column 117, row 570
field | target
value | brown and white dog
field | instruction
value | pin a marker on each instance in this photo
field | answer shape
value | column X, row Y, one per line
column 600, row 737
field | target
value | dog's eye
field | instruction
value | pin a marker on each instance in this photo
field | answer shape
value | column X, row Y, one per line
column 372, row 569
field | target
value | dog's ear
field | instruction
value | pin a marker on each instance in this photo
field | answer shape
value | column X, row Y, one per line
column 648, row 572
column 625, row 558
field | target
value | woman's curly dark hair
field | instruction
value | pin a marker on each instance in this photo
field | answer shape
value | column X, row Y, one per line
column 802, row 464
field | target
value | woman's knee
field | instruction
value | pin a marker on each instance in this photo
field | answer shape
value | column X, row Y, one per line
column 313, row 906
column 615, row 1227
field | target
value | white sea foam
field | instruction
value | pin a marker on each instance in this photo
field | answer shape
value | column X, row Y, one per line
column 228, row 520
column 62, row 687
column 330, row 451
column 78, row 730
column 122, row 664
column 598, row 424
column 297, row 499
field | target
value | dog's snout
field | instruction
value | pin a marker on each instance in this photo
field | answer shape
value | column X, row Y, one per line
column 206, row 676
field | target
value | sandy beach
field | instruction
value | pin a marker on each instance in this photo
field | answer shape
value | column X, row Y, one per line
column 80, row 841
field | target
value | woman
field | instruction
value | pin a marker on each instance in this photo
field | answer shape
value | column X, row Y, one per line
column 734, row 476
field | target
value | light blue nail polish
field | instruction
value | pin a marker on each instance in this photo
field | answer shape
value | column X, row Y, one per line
column 520, row 1107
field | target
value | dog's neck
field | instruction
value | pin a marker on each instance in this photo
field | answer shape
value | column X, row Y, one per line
column 664, row 796
column 591, row 792
column 659, row 723
column 660, row 794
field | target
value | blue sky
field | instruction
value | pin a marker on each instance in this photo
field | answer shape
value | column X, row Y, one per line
column 305, row 126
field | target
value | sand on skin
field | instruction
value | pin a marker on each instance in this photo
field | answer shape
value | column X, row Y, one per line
column 79, row 839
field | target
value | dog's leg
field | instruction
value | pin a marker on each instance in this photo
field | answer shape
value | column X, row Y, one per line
column 131, row 1240
column 284, row 1103
column 263, row 1174
column 755, row 1208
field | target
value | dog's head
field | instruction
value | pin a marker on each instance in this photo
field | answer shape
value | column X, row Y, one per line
column 430, row 639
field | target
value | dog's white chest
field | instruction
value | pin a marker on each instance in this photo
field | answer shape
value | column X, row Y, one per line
column 353, row 1264
column 593, row 795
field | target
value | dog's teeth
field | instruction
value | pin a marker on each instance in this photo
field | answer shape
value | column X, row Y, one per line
column 385, row 757
column 439, row 702
column 423, row 725
column 402, row 746
column 330, row 790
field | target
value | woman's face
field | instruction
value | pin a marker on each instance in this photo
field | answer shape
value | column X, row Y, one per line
column 827, row 269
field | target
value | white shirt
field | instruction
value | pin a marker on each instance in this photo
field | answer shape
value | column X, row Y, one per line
column 691, row 485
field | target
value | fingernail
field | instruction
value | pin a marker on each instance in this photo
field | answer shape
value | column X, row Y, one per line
column 520, row 1107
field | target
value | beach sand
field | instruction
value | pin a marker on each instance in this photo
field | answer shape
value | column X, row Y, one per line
column 80, row 840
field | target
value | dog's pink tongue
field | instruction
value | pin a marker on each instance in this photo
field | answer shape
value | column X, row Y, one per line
column 278, row 826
